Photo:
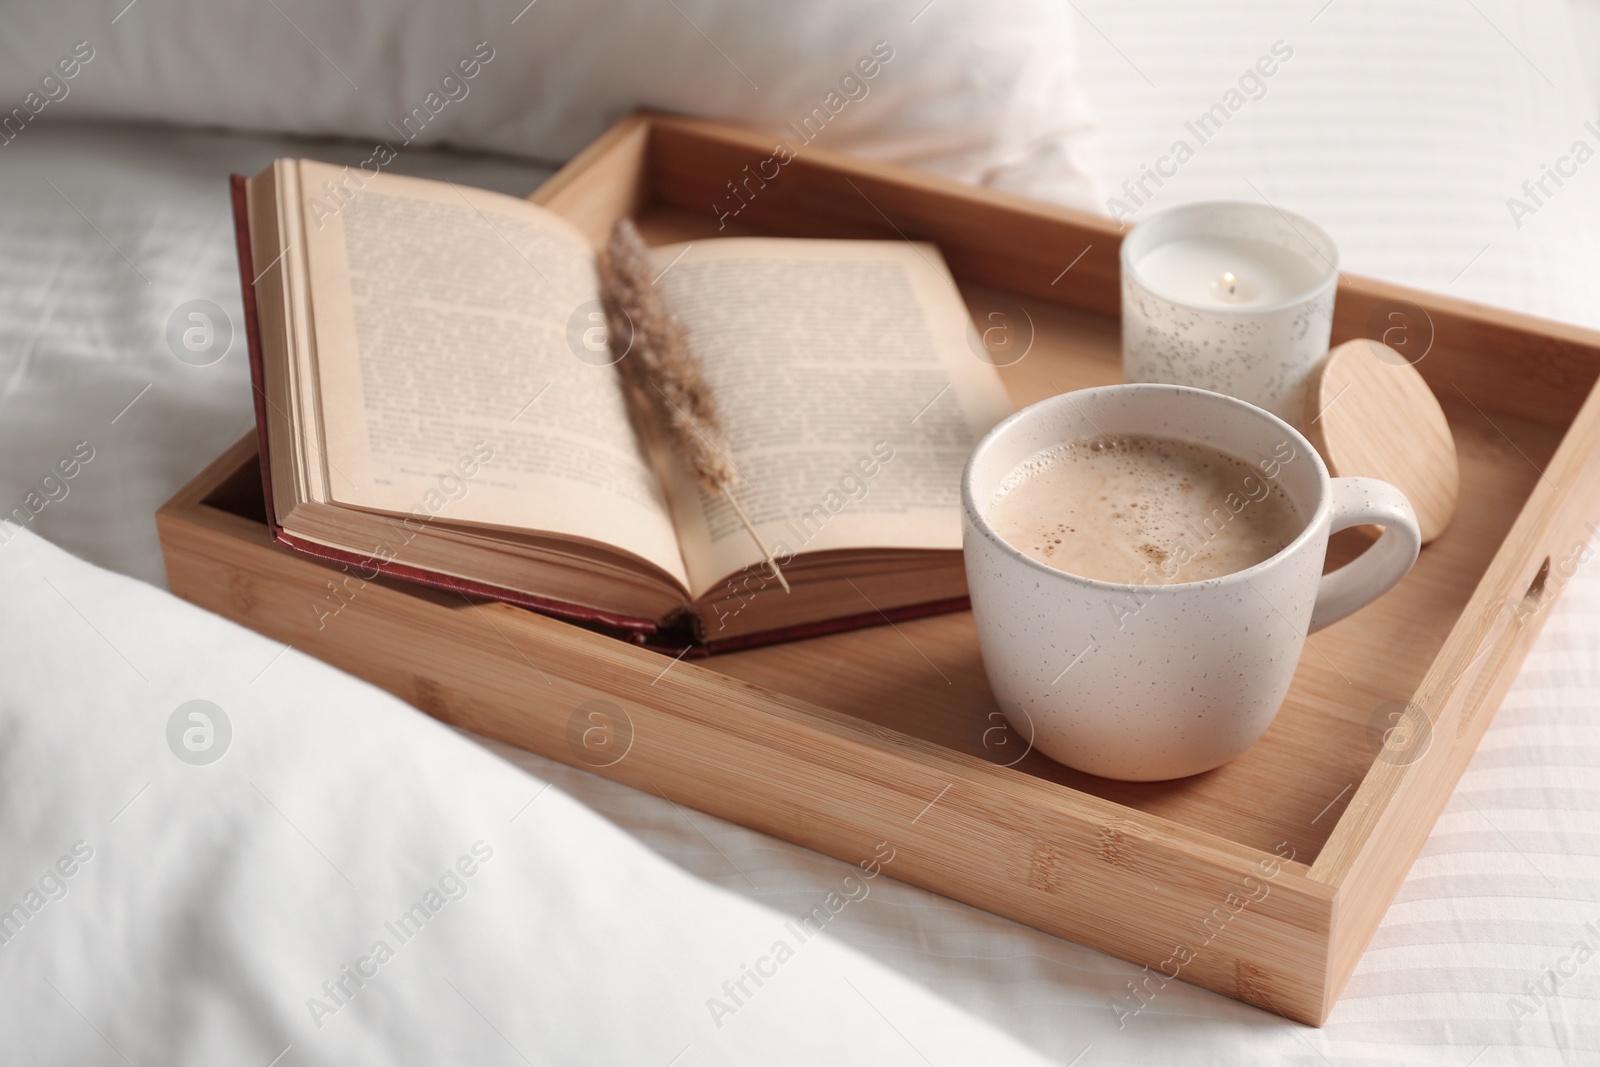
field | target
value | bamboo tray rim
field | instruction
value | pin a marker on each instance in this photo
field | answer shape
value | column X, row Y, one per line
column 1383, row 808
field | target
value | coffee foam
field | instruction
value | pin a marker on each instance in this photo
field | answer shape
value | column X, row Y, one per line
column 1142, row 509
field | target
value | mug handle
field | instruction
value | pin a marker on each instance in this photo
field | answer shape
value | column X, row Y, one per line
column 1357, row 502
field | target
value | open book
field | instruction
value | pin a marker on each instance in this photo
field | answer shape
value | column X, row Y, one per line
column 438, row 401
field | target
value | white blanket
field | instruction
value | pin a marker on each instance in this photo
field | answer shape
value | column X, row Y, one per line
column 219, row 853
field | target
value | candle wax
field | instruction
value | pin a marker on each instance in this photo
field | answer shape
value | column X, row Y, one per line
column 1191, row 269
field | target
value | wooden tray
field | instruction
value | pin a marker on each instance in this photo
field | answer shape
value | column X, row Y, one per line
column 1262, row 880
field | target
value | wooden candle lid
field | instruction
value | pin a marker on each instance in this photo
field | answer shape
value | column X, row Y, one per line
column 1371, row 415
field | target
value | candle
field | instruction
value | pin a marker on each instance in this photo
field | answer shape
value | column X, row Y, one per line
column 1228, row 272
column 1236, row 298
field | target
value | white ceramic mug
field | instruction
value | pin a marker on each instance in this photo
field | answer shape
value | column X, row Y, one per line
column 1147, row 681
column 1179, row 327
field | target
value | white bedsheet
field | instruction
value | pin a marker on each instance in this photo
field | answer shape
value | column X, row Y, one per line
column 1403, row 129
column 137, row 223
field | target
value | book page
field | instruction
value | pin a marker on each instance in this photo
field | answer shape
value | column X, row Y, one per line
column 847, row 389
column 459, row 330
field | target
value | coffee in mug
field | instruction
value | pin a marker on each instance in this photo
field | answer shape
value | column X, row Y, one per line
column 1136, row 508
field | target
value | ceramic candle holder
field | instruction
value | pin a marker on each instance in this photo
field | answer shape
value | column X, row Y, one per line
column 1236, row 298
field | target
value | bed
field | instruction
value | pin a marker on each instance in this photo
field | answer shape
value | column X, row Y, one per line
column 232, row 911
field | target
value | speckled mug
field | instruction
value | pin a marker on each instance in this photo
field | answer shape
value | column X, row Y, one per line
column 1264, row 353
column 1145, row 682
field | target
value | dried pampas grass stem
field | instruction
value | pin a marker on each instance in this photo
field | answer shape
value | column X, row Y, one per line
column 663, row 375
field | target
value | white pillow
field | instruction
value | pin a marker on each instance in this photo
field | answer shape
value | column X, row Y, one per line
column 983, row 92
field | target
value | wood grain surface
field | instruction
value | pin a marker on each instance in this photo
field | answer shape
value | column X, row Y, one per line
column 1372, row 415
